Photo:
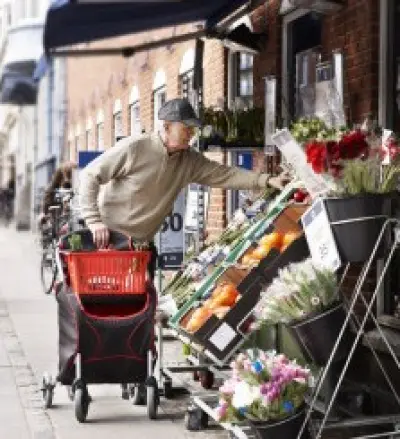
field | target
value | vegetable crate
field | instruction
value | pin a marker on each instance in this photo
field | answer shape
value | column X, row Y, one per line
column 220, row 335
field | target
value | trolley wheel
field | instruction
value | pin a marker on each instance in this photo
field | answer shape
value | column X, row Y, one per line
column 196, row 419
column 48, row 273
column 168, row 392
column 82, row 401
column 138, row 394
column 152, row 398
column 47, row 390
column 206, row 379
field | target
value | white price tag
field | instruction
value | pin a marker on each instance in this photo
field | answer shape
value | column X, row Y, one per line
column 319, row 236
column 222, row 336
column 296, row 157
column 385, row 146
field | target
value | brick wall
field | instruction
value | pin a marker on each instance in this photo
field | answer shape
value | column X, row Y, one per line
column 354, row 30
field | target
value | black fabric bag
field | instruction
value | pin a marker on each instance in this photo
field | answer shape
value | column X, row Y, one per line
column 112, row 334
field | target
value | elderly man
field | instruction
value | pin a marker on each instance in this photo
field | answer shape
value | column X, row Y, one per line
column 141, row 177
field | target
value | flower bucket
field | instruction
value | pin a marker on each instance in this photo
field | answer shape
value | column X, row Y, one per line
column 357, row 223
column 317, row 335
column 287, row 428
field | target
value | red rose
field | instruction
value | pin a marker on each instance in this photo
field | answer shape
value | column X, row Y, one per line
column 353, row 145
column 317, row 156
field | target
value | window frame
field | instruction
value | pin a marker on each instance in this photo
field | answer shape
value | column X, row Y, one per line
column 186, row 82
column 158, row 91
column 100, row 130
column 135, row 105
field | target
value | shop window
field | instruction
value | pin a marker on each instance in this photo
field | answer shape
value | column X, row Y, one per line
column 302, row 39
column 134, row 116
column 100, row 135
column 159, row 99
column 237, row 199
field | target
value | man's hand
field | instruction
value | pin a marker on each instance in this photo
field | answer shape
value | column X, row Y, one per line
column 280, row 181
column 101, row 234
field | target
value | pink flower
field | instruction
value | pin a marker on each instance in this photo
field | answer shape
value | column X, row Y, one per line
column 247, row 365
column 228, row 388
column 220, row 412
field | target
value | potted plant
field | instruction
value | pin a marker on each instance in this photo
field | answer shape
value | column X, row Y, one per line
column 266, row 390
column 362, row 168
column 306, row 299
column 237, row 127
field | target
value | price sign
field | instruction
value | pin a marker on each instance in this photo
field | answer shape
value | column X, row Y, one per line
column 319, row 237
column 170, row 239
column 296, row 157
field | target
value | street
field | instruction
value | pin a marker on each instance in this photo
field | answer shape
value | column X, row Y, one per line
column 28, row 347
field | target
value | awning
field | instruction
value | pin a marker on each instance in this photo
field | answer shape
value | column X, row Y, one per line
column 71, row 22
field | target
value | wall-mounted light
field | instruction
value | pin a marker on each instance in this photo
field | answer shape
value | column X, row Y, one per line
column 321, row 6
column 243, row 39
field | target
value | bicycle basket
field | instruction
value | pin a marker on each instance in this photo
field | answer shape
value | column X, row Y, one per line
column 108, row 272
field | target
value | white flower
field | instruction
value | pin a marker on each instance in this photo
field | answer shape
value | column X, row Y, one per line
column 315, row 300
column 244, row 395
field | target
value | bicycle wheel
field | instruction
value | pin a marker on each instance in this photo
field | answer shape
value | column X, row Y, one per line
column 48, row 271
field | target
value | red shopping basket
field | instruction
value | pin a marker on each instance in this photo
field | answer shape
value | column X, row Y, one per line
column 108, row 271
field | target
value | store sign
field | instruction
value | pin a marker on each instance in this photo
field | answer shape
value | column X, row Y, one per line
column 295, row 156
column 320, row 239
column 170, row 240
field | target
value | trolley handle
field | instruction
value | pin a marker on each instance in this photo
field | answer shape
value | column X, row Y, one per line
column 117, row 241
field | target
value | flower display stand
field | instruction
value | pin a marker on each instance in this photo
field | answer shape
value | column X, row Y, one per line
column 326, row 423
column 321, row 415
column 356, row 223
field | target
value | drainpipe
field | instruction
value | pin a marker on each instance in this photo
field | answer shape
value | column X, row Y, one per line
column 34, row 163
column 50, row 93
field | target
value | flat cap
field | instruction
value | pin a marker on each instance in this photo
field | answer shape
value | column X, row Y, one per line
column 179, row 110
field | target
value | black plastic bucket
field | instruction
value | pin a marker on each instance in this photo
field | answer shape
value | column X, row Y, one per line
column 356, row 239
column 287, row 428
column 317, row 335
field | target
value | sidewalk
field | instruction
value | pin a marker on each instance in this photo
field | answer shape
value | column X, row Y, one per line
column 28, row 347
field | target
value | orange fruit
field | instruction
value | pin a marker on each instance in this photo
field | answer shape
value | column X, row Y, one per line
column 261, row 252
column 289, row 238
column 246, row 259
column 199, row 317
column 274, row 240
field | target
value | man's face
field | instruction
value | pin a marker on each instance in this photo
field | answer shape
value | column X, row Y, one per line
column 178, row 135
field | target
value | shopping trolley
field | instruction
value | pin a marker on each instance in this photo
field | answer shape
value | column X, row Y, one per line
column 106, row 308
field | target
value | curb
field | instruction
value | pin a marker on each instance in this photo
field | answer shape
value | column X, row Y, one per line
column 37, row 419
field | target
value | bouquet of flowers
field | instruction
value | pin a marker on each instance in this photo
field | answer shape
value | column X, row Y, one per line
column 301, row 289
column 264, row 386
column 359, row 161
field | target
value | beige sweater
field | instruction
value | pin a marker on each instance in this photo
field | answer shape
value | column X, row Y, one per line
column 140, row 182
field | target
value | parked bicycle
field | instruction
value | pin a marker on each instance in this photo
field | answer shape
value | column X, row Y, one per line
column 60, row 221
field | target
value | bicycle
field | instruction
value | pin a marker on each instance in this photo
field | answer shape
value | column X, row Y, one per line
column 61, row 221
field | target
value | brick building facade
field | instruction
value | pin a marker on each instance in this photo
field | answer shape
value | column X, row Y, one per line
column 109, row 96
